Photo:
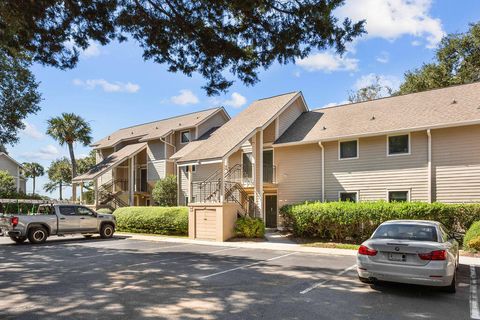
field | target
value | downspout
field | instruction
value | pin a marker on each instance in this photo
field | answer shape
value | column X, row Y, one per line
column 323, row 170
column 429, row 135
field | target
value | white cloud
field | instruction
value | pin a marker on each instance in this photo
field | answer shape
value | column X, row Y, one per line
column 93, row 50
column 107, row 86
column 297, row 74
column 384, row 80
column 383, row 57
column 328, row 62
column 185, row 97
column 236, row 100
column 32, row 131
column 392, row 19
column 49, row 152
column 416, row 43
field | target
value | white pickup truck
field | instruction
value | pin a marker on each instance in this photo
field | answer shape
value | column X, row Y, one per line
column 56, row 219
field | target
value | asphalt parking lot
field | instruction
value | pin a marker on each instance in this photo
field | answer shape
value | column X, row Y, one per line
column 76, row 278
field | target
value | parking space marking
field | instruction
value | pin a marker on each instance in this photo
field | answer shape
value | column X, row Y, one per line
column 246, row 266
column 318, row 284
column 474, row 312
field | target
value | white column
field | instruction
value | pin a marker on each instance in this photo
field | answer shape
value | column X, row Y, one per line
column 222, row 182
column 257, row 152
column 81, row 192
column 179, row 184
column 18, row 180
column 74, row 192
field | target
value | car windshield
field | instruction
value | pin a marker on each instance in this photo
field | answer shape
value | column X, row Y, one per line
column 416, row 232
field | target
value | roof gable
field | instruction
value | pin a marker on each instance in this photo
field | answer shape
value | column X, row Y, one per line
column 258, row 115
column 6, row 156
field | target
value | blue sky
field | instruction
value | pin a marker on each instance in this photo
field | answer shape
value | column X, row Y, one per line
column 113, row 87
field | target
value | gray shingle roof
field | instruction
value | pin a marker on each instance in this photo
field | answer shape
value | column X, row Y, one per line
column 417, row 111
column 156, row 129
column 228, row 136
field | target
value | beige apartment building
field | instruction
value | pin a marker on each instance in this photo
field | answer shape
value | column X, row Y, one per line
column 416, row 147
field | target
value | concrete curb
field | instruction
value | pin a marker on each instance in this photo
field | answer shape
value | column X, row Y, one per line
column 269, row 246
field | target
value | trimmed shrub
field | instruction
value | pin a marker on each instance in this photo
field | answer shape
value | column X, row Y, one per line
column 474, row 244
column 472, row 233
column 246, row 227
column 156, row 220
column 355, row 222
column 105, row 210
column 165, row 191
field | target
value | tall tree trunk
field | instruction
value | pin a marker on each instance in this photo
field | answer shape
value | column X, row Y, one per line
column 33, row 185
column 60, row 190
column 72, row 159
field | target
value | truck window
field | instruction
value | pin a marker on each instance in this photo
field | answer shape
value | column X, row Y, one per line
column 45, row 210
column 67, row 210
column 83, row 211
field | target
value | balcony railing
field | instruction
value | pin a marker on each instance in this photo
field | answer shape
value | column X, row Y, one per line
column 269, row 175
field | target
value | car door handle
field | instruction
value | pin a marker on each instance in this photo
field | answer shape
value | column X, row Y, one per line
column 62, row 218
column 82, row 218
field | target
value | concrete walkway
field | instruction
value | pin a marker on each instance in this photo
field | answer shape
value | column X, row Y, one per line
column 277, row 244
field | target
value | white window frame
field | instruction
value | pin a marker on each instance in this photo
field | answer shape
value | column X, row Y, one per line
column 189, row 136
column 253, row 167
column 340, row 153
column 345, row 191
column 399, row 154
column 408, row 191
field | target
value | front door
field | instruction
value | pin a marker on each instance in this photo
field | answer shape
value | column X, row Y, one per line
column 88, row 219
column 68, row 220
column 271, row 211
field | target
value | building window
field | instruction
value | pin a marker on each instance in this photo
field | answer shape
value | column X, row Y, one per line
column 398, row 196
column 194, row 168
column 348, row 196
column 185, row 137
column 348, row 149
column 398, row 144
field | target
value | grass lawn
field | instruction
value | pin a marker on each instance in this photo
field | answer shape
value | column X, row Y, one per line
column 325, row 244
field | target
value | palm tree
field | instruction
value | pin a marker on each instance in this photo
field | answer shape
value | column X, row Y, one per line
column 68, row 129
column 33, row 170
column 60, row 175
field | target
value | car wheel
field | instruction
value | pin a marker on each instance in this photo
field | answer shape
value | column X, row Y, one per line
column 452, row 288
column 365, row 280
column 107, row 231
column 37, row 235
column 19, row 239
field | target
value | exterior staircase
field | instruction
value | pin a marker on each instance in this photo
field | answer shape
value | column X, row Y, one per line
column 109, row 198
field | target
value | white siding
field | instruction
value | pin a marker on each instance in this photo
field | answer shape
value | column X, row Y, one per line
column 156, row 164
column 288, row 116
column 8, row 165
column 456, row 164
column 374, row 173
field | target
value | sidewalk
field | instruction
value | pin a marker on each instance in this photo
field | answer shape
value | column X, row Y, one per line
column 269, row 246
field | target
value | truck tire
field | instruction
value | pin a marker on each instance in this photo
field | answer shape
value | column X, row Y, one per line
column 18, row 240
column 107, row 230
column 37, row 235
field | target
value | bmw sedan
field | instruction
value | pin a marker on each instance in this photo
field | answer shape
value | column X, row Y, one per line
column 410, row 251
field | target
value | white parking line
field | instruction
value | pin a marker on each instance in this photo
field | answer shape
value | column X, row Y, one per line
column 474, row 312
column 246, row 266
column 318, row 284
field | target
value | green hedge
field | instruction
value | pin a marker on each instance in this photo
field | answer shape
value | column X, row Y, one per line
column 473, row 233
column 246, row 227
column 156, row 220
column 355, row 222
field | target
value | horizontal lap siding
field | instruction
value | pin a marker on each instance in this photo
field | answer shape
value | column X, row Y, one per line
column 156, row 161
column 288, row 116
column 299, row 173
column 215, row 121
column 456, row 164
column 373, row 173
